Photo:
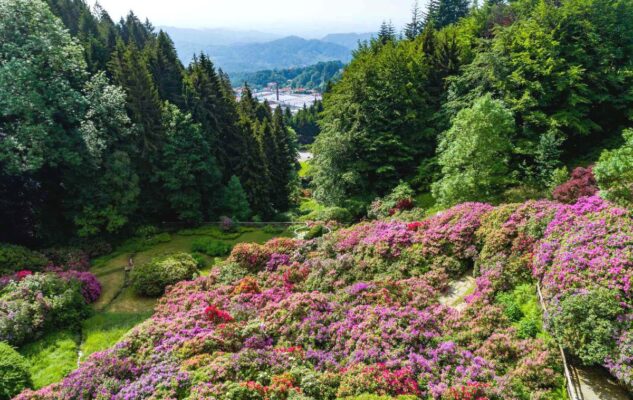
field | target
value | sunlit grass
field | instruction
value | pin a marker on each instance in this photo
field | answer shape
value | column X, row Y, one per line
column 107, row 328
column 52, row 357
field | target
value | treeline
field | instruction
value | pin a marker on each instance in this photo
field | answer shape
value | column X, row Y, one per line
column 306, row 122
column 102, row 128
column 470, row 102
column 312, row 77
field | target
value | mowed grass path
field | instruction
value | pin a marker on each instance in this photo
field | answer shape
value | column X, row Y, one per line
column 119, row 309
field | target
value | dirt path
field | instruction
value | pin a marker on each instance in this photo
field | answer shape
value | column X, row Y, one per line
column 457, row 291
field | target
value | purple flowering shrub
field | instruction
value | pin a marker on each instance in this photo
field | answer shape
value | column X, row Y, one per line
column 358, row 311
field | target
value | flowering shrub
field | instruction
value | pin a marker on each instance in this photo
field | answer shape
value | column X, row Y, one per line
column 356, row 313
column 400, row 199
column 216, row 315
column 582, row 184
column 90, row 285
column 39, row 302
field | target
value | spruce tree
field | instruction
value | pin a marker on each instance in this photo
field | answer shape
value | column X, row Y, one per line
column 254, row 174
column 450, row 11
column 236, row 201
column 432, row 11
column 231, row 152
column 283, row 168
column 387, row 33
column 167, row 70
column 414, row 28
column 130, row 70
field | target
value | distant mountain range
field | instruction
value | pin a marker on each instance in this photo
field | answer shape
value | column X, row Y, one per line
column 251, row 51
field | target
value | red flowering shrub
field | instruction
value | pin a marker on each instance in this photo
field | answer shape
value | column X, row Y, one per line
column 216, row 315
column 582, row 184
column 471, row 391
column 22, row 274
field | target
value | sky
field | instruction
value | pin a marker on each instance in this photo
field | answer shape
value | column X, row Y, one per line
column 300, row 17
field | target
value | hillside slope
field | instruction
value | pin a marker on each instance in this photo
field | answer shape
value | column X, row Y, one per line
column 358, row 312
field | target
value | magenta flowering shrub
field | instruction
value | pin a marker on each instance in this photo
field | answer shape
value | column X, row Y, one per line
column 587, row 244
column 90, row 285
column 358, row 311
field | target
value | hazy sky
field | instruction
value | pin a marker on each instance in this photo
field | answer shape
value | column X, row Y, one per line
column 304, row 17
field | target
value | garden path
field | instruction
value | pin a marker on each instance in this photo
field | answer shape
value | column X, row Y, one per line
column 457, row 292
column 595, row 383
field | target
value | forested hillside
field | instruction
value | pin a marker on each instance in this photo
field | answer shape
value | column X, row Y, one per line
column 103, row 129
column 313, row 77
column 472, row 102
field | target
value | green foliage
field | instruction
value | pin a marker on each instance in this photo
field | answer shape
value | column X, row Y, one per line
column 211, row 247
column 522, row 308
column 474, row 154
column 325, row 214
column 586, row 324
column 152, row 278
column 375, row 124
column 107, row 204
column 315, row 232
column 15, row 258
column 14, row 371
column 614, row 172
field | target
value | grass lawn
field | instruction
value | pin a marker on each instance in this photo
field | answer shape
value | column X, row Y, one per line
column 52, row 357
column 106, row 328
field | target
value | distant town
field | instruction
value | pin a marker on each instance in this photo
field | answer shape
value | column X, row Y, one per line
column 286, row 97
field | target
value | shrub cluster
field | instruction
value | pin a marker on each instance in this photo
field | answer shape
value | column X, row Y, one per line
column 211, row 247
column 16, row 258
column 14, row 372
column 153, row 278
column 39, row 302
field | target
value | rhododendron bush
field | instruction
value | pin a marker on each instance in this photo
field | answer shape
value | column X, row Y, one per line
column 360, row 311
column 33, row 303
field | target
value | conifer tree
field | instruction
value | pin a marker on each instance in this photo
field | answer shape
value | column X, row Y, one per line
column 284, row 161
column 231, row 152
column 236, row 201
column 432, row 11
column 414, row 28
column 188, row 172
column 167, row 70
column 450, row 11
column 130, row 70
column 254, row 174
column 387, row 33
